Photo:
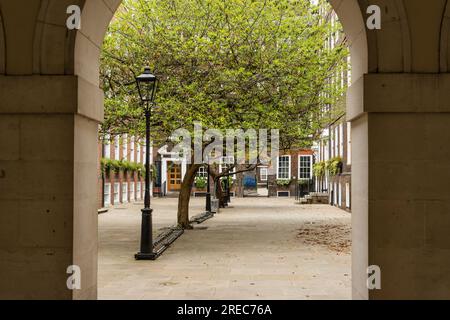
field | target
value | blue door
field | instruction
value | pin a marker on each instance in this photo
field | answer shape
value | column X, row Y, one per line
column 250, row 182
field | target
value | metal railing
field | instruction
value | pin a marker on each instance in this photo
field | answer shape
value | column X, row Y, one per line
column 304, row 188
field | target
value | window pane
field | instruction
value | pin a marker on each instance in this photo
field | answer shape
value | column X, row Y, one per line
column 305, row 167
column 263, row 174
column 283, row 167
column 116, row 193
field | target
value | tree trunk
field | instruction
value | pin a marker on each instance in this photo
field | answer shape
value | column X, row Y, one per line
column 240, row 183
column 185, row 196
column 218, row 192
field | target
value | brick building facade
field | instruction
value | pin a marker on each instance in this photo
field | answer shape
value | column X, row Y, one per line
column 335, row 146
column 291, row 173
column 125, row 184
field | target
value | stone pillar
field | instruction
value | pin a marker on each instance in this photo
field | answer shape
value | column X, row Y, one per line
column 401, row 190
column 48, row 186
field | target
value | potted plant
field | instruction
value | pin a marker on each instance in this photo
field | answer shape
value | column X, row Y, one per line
column 200, row 183
column 320, row 169
column 334, row 166
column 283, row 183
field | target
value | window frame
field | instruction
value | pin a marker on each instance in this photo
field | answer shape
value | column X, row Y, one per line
column 117, row 147
column 144, row 153
column 335, row 192
column 336, row 141
column 132, row 150
column 138, row 151
column 261, row 170
column 349, row 143
column 289, row 167
column 224, row 161
column 107, row 147
column 348, row 200
column 116, row 194
column 139, row 190
column 107, row 195
column 124, row 185
column 202, row 172
column 339, row 195
column 300, row 167
column 132, row 191
column 125, row 147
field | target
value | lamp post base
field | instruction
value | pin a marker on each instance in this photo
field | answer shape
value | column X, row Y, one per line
column 146, row 256
column 147, row 248
column 208, row 202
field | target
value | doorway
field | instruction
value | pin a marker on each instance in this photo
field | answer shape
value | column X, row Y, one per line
column 174, row 177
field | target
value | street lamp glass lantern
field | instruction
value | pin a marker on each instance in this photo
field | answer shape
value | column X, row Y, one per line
column 146, row 84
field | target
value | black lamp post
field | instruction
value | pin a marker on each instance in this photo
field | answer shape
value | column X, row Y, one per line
column 225, row 191
column 208, row 190
column 228, row 189
column 146, row 85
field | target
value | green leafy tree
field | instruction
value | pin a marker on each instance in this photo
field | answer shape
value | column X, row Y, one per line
column 227, row 64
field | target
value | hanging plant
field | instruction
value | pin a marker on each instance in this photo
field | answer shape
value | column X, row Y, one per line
column 116, row 166
column 127, row 166
column 334, row 166
column 230, row 182
column 200, row 182
column 283, row 182
column 140, row 169
column 106, row 165
column 320, row 169
column 303, row 182
column 103, row 167
column 124, row 166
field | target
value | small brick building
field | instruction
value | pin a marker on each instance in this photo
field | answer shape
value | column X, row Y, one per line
column 291, row 174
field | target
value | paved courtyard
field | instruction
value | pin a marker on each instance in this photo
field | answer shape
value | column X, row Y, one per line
column 258, row 248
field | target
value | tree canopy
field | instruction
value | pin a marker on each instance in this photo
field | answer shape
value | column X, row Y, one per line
column 227, row 63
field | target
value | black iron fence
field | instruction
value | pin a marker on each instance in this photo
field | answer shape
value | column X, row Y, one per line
column 304, row 187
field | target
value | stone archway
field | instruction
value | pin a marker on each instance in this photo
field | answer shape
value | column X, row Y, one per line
column 50, row 106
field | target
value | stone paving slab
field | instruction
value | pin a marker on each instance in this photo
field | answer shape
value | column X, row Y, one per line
column 251, row 250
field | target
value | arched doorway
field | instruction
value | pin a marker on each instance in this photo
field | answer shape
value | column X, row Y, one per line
column 351, row 17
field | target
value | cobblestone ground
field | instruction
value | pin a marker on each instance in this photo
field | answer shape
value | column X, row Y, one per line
column 257, row 249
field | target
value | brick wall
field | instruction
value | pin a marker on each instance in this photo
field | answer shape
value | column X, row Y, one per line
column 274, row 188
column 121, row 177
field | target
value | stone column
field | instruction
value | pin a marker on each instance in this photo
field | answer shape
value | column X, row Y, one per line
column 48, row 183
column 401, row 190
